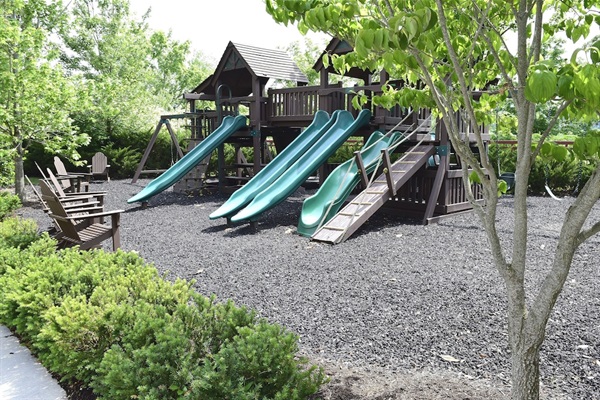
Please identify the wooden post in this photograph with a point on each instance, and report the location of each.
(173, 138)
(442, 133)
(147, 151)
(364, 177)
(256, 142)
(387, 168)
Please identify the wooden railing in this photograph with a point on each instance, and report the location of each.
(299, 104)
(293, 104)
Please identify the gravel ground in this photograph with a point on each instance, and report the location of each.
(399, 311)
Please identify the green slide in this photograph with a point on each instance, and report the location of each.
(291, 179)
(288, 156)
(191, 159)
(327, 201)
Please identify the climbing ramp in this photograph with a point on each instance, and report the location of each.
(382, 189)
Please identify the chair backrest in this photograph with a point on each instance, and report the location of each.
(60, 166)
(58, 189)
(37, 194)
(57, 209)
(44, 177)
(99, 163)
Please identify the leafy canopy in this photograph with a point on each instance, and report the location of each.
(406, 39)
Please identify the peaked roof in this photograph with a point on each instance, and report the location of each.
(241, 62)
(276, 64)
(339, 46)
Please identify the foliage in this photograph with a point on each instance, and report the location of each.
(447, 50)
(17, 232)
(346, 151)
(7, 168)
(123, 160)
(35, 97)
(112, 322)
(130, 74)
(8, 204)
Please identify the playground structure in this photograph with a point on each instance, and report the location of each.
(426, 182)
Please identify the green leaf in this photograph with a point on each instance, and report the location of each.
(546, 149)
(559, 153)
(502, 187)
(566, 87)
(474, 178)
(541, 86)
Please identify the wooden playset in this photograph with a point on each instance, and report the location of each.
(431, 187)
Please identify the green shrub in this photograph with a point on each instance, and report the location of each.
(164, 352)
(563, 176)
(123, 161)
(111, 321)
(259, 363)
(17, 232)
(8, 204)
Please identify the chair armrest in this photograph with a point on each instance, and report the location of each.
(94, 209)
(85, 194)
(97, 215)
(69, 207)
(80, 197)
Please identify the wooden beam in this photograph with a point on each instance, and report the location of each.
(174, 138)
(387, 168)
(364, 177)
(147, 151)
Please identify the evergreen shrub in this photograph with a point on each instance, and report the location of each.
(110, 321)
(8, 204)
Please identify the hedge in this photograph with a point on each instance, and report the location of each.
(111, 322)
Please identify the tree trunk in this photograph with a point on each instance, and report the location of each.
(20, 177)
(525, 372)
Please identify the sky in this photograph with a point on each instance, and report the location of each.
(210, 24)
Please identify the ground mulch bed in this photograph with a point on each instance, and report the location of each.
(399, 311)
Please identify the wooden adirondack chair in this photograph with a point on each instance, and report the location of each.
(99, 166)
(83, 196)
(76, 203)
(87, 233)
(73, 206)
(82, 179)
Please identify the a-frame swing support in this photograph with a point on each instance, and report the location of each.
(164, 120)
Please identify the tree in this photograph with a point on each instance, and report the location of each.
(131, 74)
(35, 96)
(455, 47)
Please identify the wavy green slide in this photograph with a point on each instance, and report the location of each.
(191, 159)
(287, 157)
(327, 201)
(294, 176)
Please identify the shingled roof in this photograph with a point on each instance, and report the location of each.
(262, 63)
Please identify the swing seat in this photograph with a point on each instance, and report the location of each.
(509, 178)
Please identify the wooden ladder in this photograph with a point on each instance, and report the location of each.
(383, 188)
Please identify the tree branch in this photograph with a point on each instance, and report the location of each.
(551, 125)
(571, 237)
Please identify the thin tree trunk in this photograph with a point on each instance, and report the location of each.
(525, 372)
(20, 175)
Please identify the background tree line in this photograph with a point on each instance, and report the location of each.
(83, 77)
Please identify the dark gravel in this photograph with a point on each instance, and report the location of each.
(397, 296)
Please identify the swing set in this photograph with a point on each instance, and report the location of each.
(510, 177)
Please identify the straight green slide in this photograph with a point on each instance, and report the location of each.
(191, 159)
(327, 201)
(288, 156)
(291, 179)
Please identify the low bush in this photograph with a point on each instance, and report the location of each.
(111, 321)
(563, 177)
(8, 204)
(17, 232)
